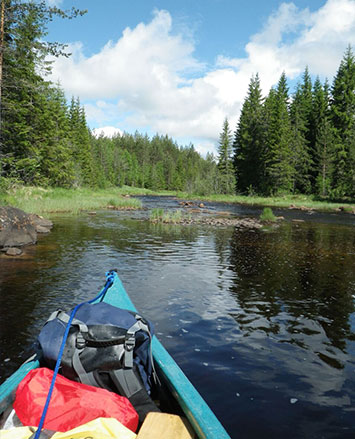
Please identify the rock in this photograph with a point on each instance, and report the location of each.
(41, 229)
(13, 251)
(16, 227)
(187, 203)
(91, 213)
(40, 221)
(201, 205)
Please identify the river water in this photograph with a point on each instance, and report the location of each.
(262, 322)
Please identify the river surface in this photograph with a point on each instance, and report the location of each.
(262, 322)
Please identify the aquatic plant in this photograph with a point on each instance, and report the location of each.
(267, 215)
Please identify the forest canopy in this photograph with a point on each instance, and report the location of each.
(302, 142)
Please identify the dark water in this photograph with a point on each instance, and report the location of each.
(263, 322)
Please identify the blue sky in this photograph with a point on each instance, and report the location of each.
(180, 67)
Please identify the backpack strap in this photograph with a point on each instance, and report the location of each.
(126, 381)
(64, 317)
(131, 339)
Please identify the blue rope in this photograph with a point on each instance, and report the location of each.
(110, 279)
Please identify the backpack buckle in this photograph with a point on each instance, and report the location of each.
(80, 342)
(130, 342)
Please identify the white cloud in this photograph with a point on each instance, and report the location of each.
(107, 132)
(54, 2)
(148, 71)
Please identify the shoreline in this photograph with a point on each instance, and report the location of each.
(58, 200)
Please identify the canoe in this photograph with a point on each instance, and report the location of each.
(201, 418)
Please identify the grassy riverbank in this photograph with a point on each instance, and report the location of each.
(287, 201)
(58, 200)
(44, 201)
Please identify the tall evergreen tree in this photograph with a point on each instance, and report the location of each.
(23, 105)
(302, 149)
(249, 141)
(343, 119)
(225, 164)
(80, 143)
(279, 166)
(323, 139)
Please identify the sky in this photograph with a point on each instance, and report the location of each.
(180, 67)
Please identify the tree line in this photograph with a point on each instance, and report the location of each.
(44, 141)
(303, 143)
(299, 143)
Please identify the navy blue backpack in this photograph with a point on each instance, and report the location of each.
(106, 347)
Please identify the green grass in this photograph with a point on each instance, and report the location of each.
(159, 215)
(298, 201)
(58, 200)
(267, 215)
(51, 200)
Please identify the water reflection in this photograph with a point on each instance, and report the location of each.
(294, 287)
(262, 322)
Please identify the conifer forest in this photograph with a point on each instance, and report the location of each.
(289, 141)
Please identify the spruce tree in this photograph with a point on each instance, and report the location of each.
(323, 139)
(302, 149)
(249, 142)
(23, 105)
(80, 144)
(343, 119)
(225, 164)
(279, 163)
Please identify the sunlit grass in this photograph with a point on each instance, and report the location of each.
(161, 216)
(267, 215)
(58, 200)
(297, 201)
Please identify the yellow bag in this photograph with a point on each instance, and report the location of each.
(16, 433)
(101, 428)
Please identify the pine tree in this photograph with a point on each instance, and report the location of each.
(225, 164)
(249, 141)
(343, 119)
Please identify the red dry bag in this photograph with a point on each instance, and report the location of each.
(72, 403)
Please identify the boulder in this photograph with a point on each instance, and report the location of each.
(16, 227)
(13, 251)
(39, 221)
(41, 229)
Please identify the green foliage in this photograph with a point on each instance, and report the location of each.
(343, 119)
(248, 143)
(157, 214)
(307, 146)
(279, 167)
(161, 216)
(267, 215)
(156, 164)
(225, 164)
(58, 200)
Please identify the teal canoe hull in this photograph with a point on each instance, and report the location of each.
(201, 417)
